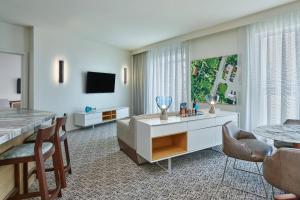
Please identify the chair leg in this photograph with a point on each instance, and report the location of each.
(66, 145)
(17, 178)
(223, 177)
(25, 177)
(57, 174)
(41, 173)
(234, 167)
(224, 170)
(262, 181)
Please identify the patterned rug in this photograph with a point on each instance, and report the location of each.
(102, 171)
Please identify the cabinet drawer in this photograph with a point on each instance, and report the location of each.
(92, 121)
(199, 124)
(168, 129)
(203, 138)
(222, 120)
(93, 116)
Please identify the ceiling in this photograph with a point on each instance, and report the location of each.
(129, 24)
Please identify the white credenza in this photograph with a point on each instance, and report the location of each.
(99, 116)
(163, 139)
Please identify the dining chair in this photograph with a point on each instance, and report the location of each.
(44, 148)
(243, 145)
(281, 170)
(280, 144)
(62, 132)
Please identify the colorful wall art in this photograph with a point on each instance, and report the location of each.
(219, 75)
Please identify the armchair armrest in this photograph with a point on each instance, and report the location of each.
(246, 135)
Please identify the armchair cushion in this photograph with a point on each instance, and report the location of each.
(258, 150)
(243, 145)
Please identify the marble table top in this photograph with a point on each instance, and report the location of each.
(14, 122)
(285, 133)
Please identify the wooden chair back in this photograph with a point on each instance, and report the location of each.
(45, 134)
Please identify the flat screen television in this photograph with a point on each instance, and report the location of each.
(100, 82)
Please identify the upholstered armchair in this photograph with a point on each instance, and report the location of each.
(282, 170)
(242, 145)
(281, 144)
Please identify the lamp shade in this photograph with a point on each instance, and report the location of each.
(212, 100)
(163, 103)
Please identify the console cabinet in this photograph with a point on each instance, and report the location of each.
(163, 139)
(99, 116)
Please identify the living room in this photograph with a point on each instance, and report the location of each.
(199, 100)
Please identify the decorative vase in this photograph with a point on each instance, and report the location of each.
(163, 103)
(212, 100)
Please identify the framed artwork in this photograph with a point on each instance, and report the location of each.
(219, 75)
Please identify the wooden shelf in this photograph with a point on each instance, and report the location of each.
(109, 115)
(168, 146)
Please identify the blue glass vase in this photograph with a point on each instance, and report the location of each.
(163, 103)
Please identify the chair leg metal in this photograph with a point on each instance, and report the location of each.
(234, 167)
(224, 170)
(223, 177)
(262, 181)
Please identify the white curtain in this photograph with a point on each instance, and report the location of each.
(271, 71)
(167, 75)
(139, 84)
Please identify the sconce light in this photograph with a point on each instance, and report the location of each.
(125, 75)
(61, 71)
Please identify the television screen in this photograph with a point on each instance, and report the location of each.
(100, 82)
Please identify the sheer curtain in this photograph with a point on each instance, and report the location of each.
(271, 73)
(167, 75)
(139, 84)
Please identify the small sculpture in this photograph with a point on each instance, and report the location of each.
(196, 106)
(184, 110)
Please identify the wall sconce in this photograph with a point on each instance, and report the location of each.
(125, 75)
(61, 71)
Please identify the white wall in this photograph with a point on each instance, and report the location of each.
(219, 44)
(10, 71)
(15, 39)
(80, 56)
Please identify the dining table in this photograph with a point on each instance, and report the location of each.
(284, 133)
(15, 126)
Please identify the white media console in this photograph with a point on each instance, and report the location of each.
(164, 139)
(99, 116)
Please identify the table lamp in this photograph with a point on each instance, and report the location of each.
(212, 100)
(163, 103)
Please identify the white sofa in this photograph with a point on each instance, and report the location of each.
(127, 131)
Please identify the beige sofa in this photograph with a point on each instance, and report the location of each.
(127, 132)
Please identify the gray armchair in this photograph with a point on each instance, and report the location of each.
(282, 170)
(242, 145)
(281, 144)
